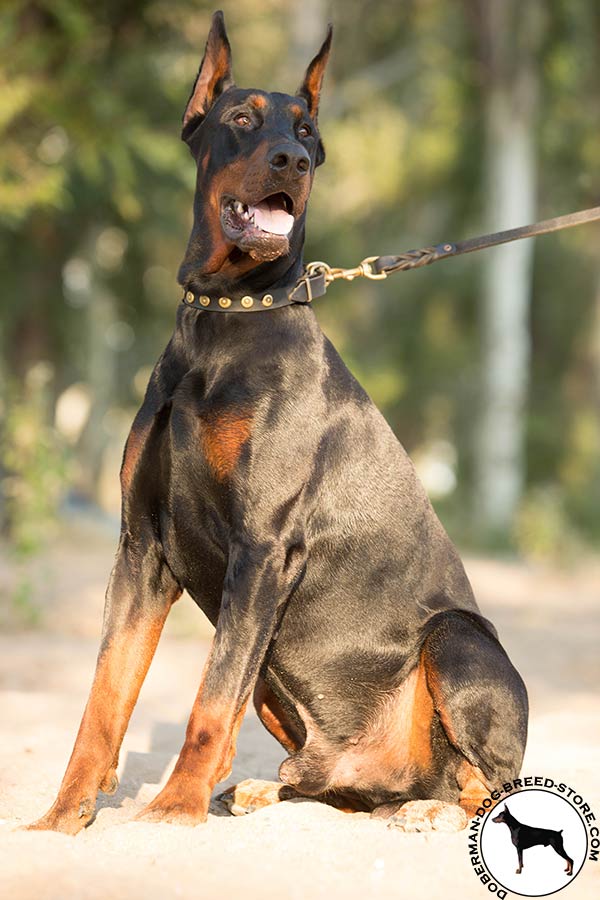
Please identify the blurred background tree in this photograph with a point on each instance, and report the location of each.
(440, 121)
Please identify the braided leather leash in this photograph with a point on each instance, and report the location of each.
(319, 275)
(377, 267)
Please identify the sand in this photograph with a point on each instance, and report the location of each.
(548, 621)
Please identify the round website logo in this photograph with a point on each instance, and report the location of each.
(532, 841)
(540, 847)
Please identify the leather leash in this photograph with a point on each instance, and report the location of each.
(319, 275)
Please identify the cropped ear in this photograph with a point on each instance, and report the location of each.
(310, 89)
(214, 75)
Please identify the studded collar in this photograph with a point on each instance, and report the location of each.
(310, 286)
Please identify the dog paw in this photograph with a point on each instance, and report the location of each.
(110, 782)
(177, 806)
(66, 820)
(428, 815)
(171, 815)
(252, 794)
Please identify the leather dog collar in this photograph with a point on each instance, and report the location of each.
(307, 288)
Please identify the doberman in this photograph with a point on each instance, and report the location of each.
(260, 477)
(525, 836)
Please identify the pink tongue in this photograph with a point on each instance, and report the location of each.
(270, 216)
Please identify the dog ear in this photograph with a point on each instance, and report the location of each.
(214, 75)
(310, 89)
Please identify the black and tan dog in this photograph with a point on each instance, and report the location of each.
(260, 477)
(525, 836)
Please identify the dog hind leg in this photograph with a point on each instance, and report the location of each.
(481, 702)
(558, 846)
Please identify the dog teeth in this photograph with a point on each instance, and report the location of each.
(242, 211)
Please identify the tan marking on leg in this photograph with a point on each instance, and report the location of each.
(403, 730)
(471, 780)
(436, 693)
(210, 741)
(271, 714)
(223, 437)
(419, 744)
(396, 748)
(211, 730)
(205, 759)
(133, 451)
(230, 754)
(474, 787)
(120, 671)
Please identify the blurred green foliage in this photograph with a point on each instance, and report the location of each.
(35, 469)
(32, 454)
(95, 210)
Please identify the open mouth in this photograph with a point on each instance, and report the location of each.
(273, 215)
(260, 229)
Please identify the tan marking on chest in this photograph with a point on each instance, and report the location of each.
(223, 436)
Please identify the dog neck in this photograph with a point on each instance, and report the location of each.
(233, 281)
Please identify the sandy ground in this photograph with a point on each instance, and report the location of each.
(548, 621)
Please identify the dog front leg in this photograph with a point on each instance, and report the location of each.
(139, 596)
(520, 855)
(254, 592)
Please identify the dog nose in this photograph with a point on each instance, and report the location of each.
(289, 159)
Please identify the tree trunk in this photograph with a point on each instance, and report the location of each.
(509, 32)
(595, 351)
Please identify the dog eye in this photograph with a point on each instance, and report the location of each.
(304, 131)
(243, 120)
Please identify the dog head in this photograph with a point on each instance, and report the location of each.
(256, 154)
(502, 815)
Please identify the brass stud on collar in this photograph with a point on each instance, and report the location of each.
(224, 302)
(247, 302)
(267, 300)
(189, 297)
(204, 300)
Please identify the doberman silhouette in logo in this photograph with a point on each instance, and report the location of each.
(525, 836)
